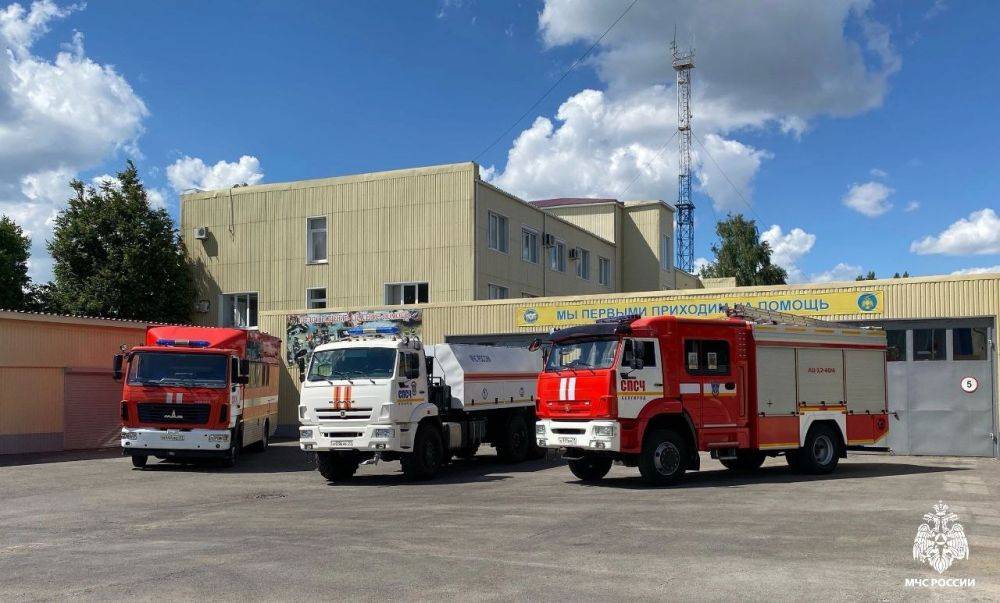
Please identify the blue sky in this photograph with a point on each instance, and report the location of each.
(797, 103)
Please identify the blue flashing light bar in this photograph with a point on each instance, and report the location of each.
(373, 331)
(193, 343)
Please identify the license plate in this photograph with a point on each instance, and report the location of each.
(341, 443)
(567, 440)
(173, 437)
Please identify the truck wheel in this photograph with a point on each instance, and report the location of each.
(336, 467)
(664, 457)
(745, 461)
(139, 460)
(515, 443)
(590, 468)
(821, 453)
(427, 456)
(792, 458)
(235, 448)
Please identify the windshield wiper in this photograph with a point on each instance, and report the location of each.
(362, 375)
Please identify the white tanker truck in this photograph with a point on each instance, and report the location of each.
(379, 396)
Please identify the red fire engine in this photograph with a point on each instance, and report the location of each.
(196, 392)
(653, 392)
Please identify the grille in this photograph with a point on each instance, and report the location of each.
(356, 413)
(180, 414)
(568, 431)
(342, 434)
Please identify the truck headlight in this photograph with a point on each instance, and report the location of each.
(218, 437)
(607, 431)
(383, 432)
(539, 429)
(130, 435)
(305, 434)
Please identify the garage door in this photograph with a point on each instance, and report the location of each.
(941, 386)
(92, 410)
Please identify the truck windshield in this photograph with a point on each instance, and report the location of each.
(176, 368)
(589, 354)
(348, 363)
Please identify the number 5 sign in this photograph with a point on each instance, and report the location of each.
(969, 384)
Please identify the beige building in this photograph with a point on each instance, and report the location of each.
(426, 235)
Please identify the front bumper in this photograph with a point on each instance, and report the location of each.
(323, 438)
(578, 434)
(174, 442)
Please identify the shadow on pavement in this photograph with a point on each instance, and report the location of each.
(483, 468)
(282, 456)
(38, 458)
(723, 478)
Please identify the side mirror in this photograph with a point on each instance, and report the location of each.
(244, 367)
(116, 367)
(301, 363)
(535, 344)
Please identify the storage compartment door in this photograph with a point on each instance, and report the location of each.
(865, 371)
(775, 380)
(821, 376)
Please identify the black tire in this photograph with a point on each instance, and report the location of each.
(664, 457)
(235, 448)
(427, 456)
(515, 441)
(590, 468)
(265, 439)
(139, 460)
(746, 461)
(792, 458)
(337, 466)
(822, 451)
(466, 453)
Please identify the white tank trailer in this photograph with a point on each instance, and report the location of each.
(382, 396)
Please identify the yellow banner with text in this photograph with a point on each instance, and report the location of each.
(802, 304)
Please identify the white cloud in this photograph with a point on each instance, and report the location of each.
(192, 173)
(753, 71)
(979, 234)
(981, 270)
(157, 198)
(912, 206)
(880, 174)
(700, 263)
(788, 248)
(841, 272)
(57, 117)
(870, 198)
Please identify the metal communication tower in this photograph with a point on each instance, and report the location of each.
(683, 63)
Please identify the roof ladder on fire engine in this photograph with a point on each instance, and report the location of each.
(770, 317)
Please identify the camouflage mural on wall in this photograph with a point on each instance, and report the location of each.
(306, 331)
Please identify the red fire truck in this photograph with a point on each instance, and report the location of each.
(198, 392)
(653, 392)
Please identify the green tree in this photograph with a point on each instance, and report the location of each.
(117, 257)
(866, 277)
(14, 281)
(740, 253)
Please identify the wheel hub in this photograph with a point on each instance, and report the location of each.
(666, 458)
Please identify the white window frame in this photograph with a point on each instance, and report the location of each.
(666, 252)
(224, 320)
(491, 287)
(583, 263)
(503, 243)
(557, 245)
(325, 300)
(309, 234)
(402, 293)
(534, 248)
(600, 274)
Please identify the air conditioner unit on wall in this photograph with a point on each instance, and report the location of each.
(201, 233)
(574, 253)
(548, 240)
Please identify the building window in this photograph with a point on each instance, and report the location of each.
(557, 256)
(497, 237)
(706, 357)
(665, 251)
(239, 310)
(604, 271)
(316, 298)
(583, 264)
(895, 346)
(529, 245)
(928, 344)
(969, 343)
(397, 294)
(316, 240)
(497, 292)
(526, 294)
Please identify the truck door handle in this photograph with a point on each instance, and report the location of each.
(730, 385)
(657, 385)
